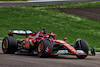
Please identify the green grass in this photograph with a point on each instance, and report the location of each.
(64, 25)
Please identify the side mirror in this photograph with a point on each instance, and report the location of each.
(65, 39)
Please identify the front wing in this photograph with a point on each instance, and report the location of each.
(66, 52)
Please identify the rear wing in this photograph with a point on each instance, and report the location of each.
(20, 32)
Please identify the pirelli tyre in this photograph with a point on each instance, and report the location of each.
(83, 46)
(9, 45)
(44, 48)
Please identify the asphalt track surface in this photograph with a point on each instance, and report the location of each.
(2, 4)
(23, 60)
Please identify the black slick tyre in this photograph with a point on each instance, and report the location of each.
(9, 45)
(84, 47)
(42, 48)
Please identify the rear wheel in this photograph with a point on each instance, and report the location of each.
(83, 45)
(9, 45)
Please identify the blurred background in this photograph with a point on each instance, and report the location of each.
(35, 0)
(48, 0)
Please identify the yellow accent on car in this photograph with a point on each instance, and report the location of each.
(65, 44)
(32, 43)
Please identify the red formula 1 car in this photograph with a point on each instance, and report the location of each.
(43, 44)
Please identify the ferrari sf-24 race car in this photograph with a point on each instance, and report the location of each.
(43, 44)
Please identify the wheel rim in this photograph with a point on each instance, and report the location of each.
(5, 44)
(40, 48)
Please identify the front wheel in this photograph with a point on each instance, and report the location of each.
(9, 45)
(44, 48)
(83, 45)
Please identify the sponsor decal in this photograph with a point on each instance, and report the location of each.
(27, 44)
(62, 51)
(60, 41)
(66, 44)
(31, 42)
(80, 51)
(47, 49)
